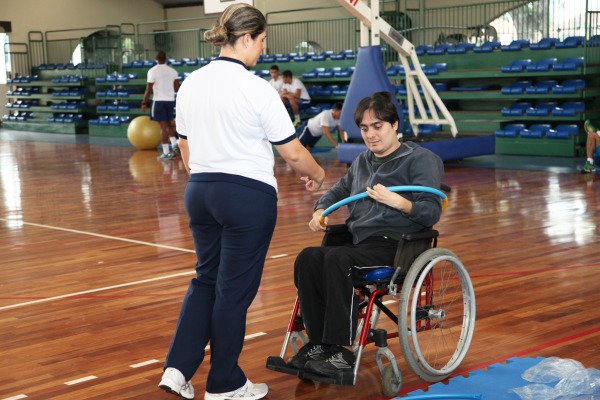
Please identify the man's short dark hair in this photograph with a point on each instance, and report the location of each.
(337, 106)
(161, 57)
(275, 67)
(380, 104)
(287, 73)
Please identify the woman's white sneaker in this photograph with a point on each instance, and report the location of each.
(174, 382)
(248, 391)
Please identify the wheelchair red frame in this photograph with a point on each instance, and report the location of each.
(433, 284)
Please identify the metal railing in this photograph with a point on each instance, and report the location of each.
(592, 47)
(503, 20)
(20, 59)
(178, 38)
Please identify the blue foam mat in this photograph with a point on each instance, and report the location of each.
(496, 382)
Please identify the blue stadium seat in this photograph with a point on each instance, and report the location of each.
(517, 87)
(569, 64)
(487, 47)
(570, 42)
(541, 109)
(344, 73)
(428, 129)
(325, 73)
(516, 45)
(422, 49)
(349, 54)
(515, 109)
(563, 131)
(544, 44)
(471, 88)
(440, 49)
(439, 66)
(461, 48)
(516, 65)
(282, 58)
(313, 110)
(536, 131)
(542, 87)
(569, 86)
(394, 70)
(340, 91)
(569, 109)
(402, 72)
(542, 65)
(510, 130)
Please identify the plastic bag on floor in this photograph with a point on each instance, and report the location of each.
(557, 378)
(552, 369)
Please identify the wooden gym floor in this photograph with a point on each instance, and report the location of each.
(95, 257)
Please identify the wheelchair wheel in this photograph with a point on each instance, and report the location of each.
(390, 383)
(436, 314)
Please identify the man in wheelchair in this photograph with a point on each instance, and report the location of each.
(325, 276)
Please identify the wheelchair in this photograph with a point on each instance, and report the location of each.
(435, 319)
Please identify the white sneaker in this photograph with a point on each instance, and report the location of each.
(174, 382)
(248, 391)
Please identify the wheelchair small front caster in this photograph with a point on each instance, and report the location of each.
(390, 382)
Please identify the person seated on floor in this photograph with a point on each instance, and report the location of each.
(324, 275)
(321, 125)
(295, 94)
(276, 80)
(591, 144)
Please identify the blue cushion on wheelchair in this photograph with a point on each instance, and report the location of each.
(378, 274)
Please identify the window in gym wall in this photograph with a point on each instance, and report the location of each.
(5, 63)
(76, 57)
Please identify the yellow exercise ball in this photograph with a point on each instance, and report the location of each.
(143, 133)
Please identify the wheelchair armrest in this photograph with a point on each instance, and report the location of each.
(336, 235)
(428, 234)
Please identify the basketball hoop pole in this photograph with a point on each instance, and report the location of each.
(370, 19)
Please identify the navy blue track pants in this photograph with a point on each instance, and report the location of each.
(232, 221)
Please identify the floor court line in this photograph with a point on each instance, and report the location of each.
(85, 292)
(64, 296)
(162, 246)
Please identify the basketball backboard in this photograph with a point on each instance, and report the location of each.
(217, 6)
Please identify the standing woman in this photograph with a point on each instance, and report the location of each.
(227, 121)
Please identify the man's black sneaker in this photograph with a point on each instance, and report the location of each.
(340, 359)
(307, 353)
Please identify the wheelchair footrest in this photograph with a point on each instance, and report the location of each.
(340, 378)
(276, 363)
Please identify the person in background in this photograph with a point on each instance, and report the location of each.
(228, 121)
(295, 94)
(592, 142)
(324, 275)
(276, 80)
(162, 83)
(321, 124)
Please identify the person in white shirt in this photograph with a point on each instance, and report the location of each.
(320, 125)
(162, 83)
(295, 94)
(276, 80)
(228, 121)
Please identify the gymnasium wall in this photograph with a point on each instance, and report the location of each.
(47, 15)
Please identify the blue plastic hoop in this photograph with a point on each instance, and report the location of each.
(362, 195)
